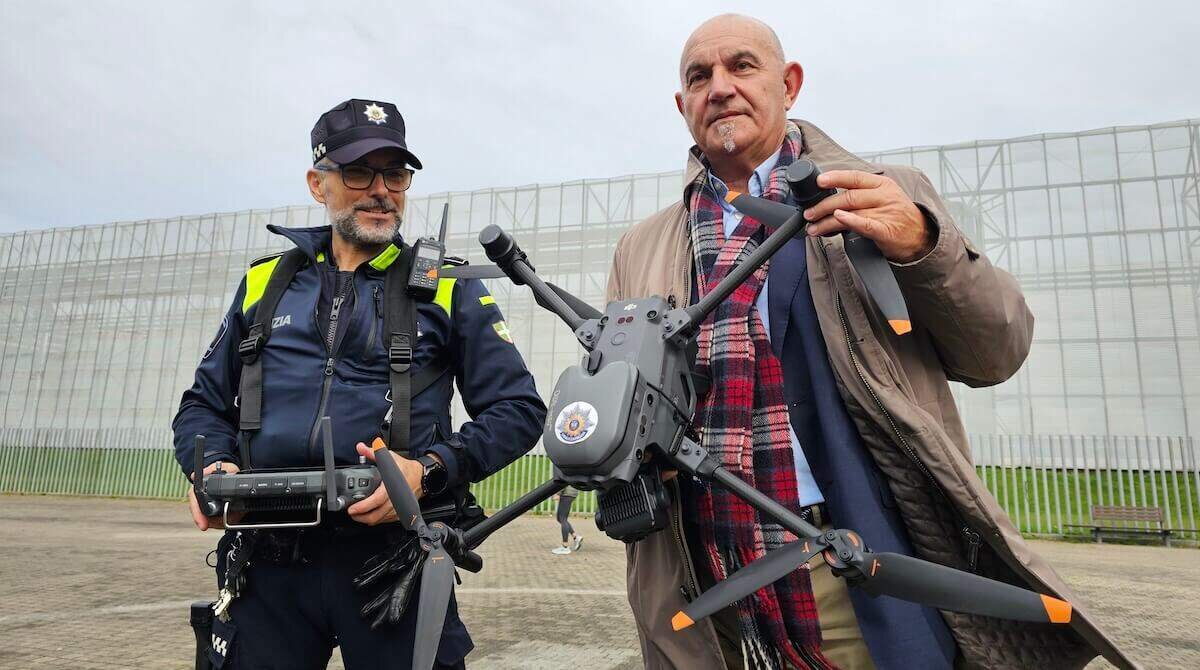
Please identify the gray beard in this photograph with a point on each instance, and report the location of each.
(727, 141)
(345, 223)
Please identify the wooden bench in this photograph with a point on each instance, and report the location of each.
(1105, 516)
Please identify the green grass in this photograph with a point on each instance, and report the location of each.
(1043, 501)
(1040, 501)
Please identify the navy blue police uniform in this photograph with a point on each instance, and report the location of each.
(327, 356)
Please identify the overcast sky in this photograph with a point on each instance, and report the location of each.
(122, 110)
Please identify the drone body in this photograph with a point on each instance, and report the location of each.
(625, 400)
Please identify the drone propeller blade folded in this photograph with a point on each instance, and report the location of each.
(768, 212)
(437, 582)
(890, 574)
(745, 581)
(876, 274)
(471, 272)
(408, 510)
(945, 588)
(868, 260)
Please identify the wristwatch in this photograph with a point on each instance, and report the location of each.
(435, 478)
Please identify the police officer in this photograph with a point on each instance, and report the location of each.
(327, 356)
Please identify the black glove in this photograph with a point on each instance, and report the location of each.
(394, 572)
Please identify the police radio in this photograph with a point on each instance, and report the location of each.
(428, 255)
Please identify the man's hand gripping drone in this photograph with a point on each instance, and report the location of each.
(623, 415)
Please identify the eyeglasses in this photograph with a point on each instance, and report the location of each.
(359, 177)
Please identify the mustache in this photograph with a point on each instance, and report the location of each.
(712, 118)
(372, 203)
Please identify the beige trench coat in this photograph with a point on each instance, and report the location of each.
(971, 325)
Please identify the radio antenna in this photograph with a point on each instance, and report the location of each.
(445, 219)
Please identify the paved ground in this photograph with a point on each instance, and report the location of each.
(93, 583)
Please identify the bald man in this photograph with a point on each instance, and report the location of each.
(837, 417)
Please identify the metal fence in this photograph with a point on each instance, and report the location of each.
(1046, 483)
(102, 325)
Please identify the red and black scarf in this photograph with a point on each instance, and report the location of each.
(743, 422)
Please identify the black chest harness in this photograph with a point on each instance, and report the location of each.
(400, 327)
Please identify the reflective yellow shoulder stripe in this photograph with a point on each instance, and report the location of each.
(445, 293)
(256, 282)
(486, 300)
(385, 258)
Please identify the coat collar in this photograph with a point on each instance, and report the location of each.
(785, 277)
(315, 241)
(817, 146)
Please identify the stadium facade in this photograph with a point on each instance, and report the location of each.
(103, 325)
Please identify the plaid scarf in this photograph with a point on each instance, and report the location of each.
(743, 422)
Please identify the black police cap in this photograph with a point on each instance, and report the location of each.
(357, 127)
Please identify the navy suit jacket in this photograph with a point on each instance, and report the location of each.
(899, 634)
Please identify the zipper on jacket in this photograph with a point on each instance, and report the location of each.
(689, 588)
(973, 539)
(378, 300)
(331, 331)
(330, 342)
(973, 542)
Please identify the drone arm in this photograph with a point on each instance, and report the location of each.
(502, 250)
(695, 315)
(581, 308)
(477, 534)
(692, 458)
(881, 573)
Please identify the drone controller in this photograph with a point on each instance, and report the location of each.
(283, 490)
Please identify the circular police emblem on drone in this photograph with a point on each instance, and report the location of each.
(375, 114)
(575, 423)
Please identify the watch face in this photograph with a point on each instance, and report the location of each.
(435, 478)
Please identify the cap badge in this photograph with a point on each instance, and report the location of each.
(375, 114)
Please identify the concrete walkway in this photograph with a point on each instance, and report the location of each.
(96, 583)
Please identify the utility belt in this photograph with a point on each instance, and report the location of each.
(293, 546)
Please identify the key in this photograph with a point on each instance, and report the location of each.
(221, 607)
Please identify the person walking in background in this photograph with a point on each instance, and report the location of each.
(570, 541)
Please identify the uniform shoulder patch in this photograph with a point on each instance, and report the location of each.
(501, 329)
(265, 257)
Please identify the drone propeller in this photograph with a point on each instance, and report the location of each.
(437, 578)
(890, 574)
(750, 578)
(866, 257)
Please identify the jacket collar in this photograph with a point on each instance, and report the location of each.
(817, 146)
(314, 242)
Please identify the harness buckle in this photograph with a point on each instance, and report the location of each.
(400, 354)
(252, 346)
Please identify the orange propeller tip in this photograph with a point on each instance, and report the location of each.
(900, 326)
(681, 621)
(1059, 611)
(730, 196)
(378, 444)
